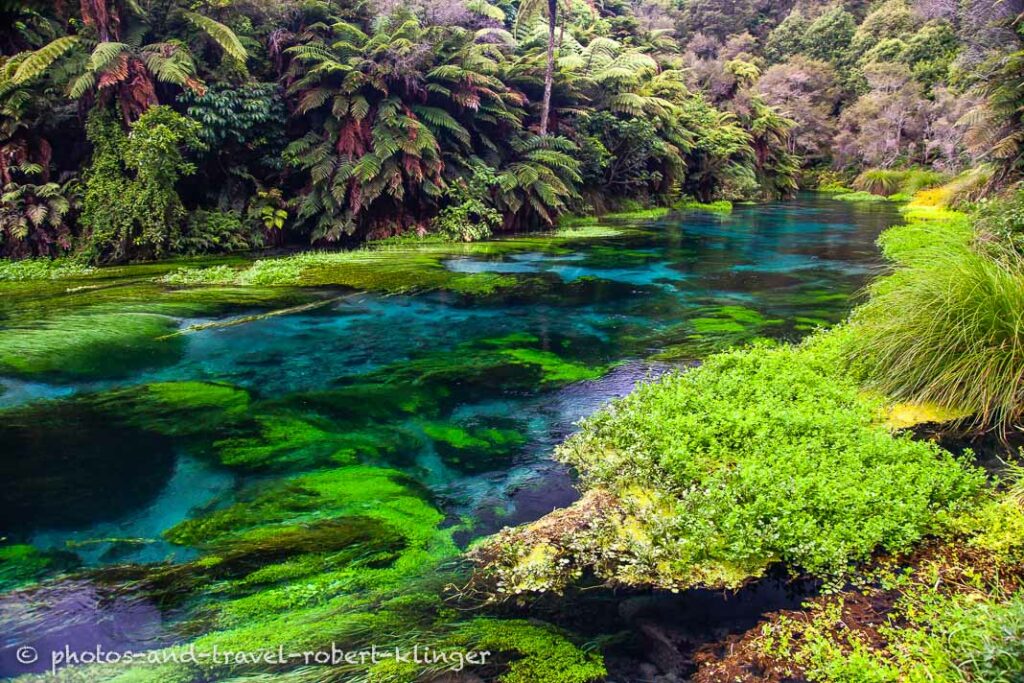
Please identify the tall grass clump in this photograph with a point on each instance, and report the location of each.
(947, 327)
(887, 181)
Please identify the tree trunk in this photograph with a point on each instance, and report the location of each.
(549, 72)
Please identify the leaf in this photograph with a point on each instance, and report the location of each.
(39, 61)
(221, 34)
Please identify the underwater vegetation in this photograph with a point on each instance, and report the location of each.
(401, 266)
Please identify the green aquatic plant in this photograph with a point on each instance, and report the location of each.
(946, 326)
(860, 196)
(101, 343)
(481, 447)
(387, 267)
(43, 269)
(721, 206)
(708, 477)
(176, 409)
(22, 564)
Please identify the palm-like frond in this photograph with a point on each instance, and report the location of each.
(220, 34)
(37, 62)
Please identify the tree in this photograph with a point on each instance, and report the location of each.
(119, 63)
(885, 126)
(804, 90)
(529, 9)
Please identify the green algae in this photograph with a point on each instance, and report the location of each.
(722, 206)
(388, 268)
(860, 196)
(487, 445)
(714, 329)
(553, 368)
(22, 565)
(183, 408)
(84, 345)
(638, 214)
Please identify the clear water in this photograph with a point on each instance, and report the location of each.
(687, 284)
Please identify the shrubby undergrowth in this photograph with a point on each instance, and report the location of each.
(760, 456)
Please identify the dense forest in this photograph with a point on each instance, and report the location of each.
(231, 125)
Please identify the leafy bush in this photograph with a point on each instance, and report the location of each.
(1003, 219)
(469, 215)
(42, 269)
(947, 326)
(210, 232)
(757, 457)
(137, 174)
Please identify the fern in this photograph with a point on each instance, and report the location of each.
(42, 59)
(220, 34)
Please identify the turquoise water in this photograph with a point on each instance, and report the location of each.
(95, 493)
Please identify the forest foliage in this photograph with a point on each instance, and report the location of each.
(234, 125)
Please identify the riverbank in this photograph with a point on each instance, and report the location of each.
(781, 457)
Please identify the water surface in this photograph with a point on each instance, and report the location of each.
(600, 316)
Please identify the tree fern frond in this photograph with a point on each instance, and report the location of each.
(220, 34)
(42, 59)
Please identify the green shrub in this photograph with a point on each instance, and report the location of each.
(1003, 219)
(758, 457)
(887, 181)
(136, 173)
(215, 231)
(947, 326)
(469, 215)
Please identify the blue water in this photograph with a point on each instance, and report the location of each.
(687, 284)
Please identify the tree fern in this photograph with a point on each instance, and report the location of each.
(220, 34)
(36, 63)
